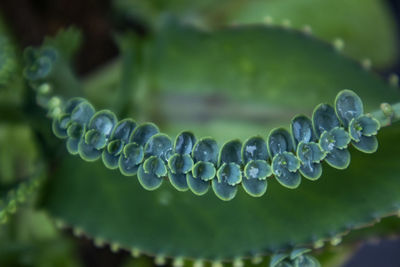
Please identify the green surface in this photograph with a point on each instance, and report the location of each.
(273, 71)
(106, 205)
(367, 27)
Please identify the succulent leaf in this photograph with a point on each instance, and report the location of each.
(123, 130)
(348, 106)
(130, 159)
(229, 173)
(224, 190)
(119, 137)
(255, 187)
(151, 179)
(179, 181)
(99, 129)
(206, 149)
(363, 126)
(87, 151)
(277, 258)
(197, 186)
(103, 122)
(159, 145)
(324, 119)
(60, 125)
(184, 142)
(111, 154)
(297, 258)
(143, 133)
(115, 147)
(306, 261)
(39, 62)
(298, 252)
(338, 158)
(279, 141)
(309, 152)
(335, 138)
(254, 148)
(367, 144)
(95, 139)
(230, 152)
(310, 170)
(82, 113)
(72, 145)
(180, 163)
(155, 165)
(204, 170)
(284, 167)
(255, 173)
(302, 130)
(257, 169)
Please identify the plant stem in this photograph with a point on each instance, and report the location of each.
(387, 114)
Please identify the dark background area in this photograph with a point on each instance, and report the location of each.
(32, 20)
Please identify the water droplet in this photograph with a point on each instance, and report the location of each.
(253, 172)
(251, 149)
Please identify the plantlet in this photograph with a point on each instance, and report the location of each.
(291, 185)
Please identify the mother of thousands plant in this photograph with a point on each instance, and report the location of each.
(297, 182)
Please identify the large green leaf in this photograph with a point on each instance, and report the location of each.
(348, 22)
(274, 71)
(107, 205)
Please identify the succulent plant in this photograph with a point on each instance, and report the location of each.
(301, 178)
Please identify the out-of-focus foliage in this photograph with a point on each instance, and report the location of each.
(11, 87)
(67, 42)
(19, 153)
(329, 20)
(31, 239)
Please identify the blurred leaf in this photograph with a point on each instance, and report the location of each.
(19, 153)
(66, 41)
(11, 82)
(11, 197)
(56, 58)
(347, 20)
(32, 240)
(8, 60)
